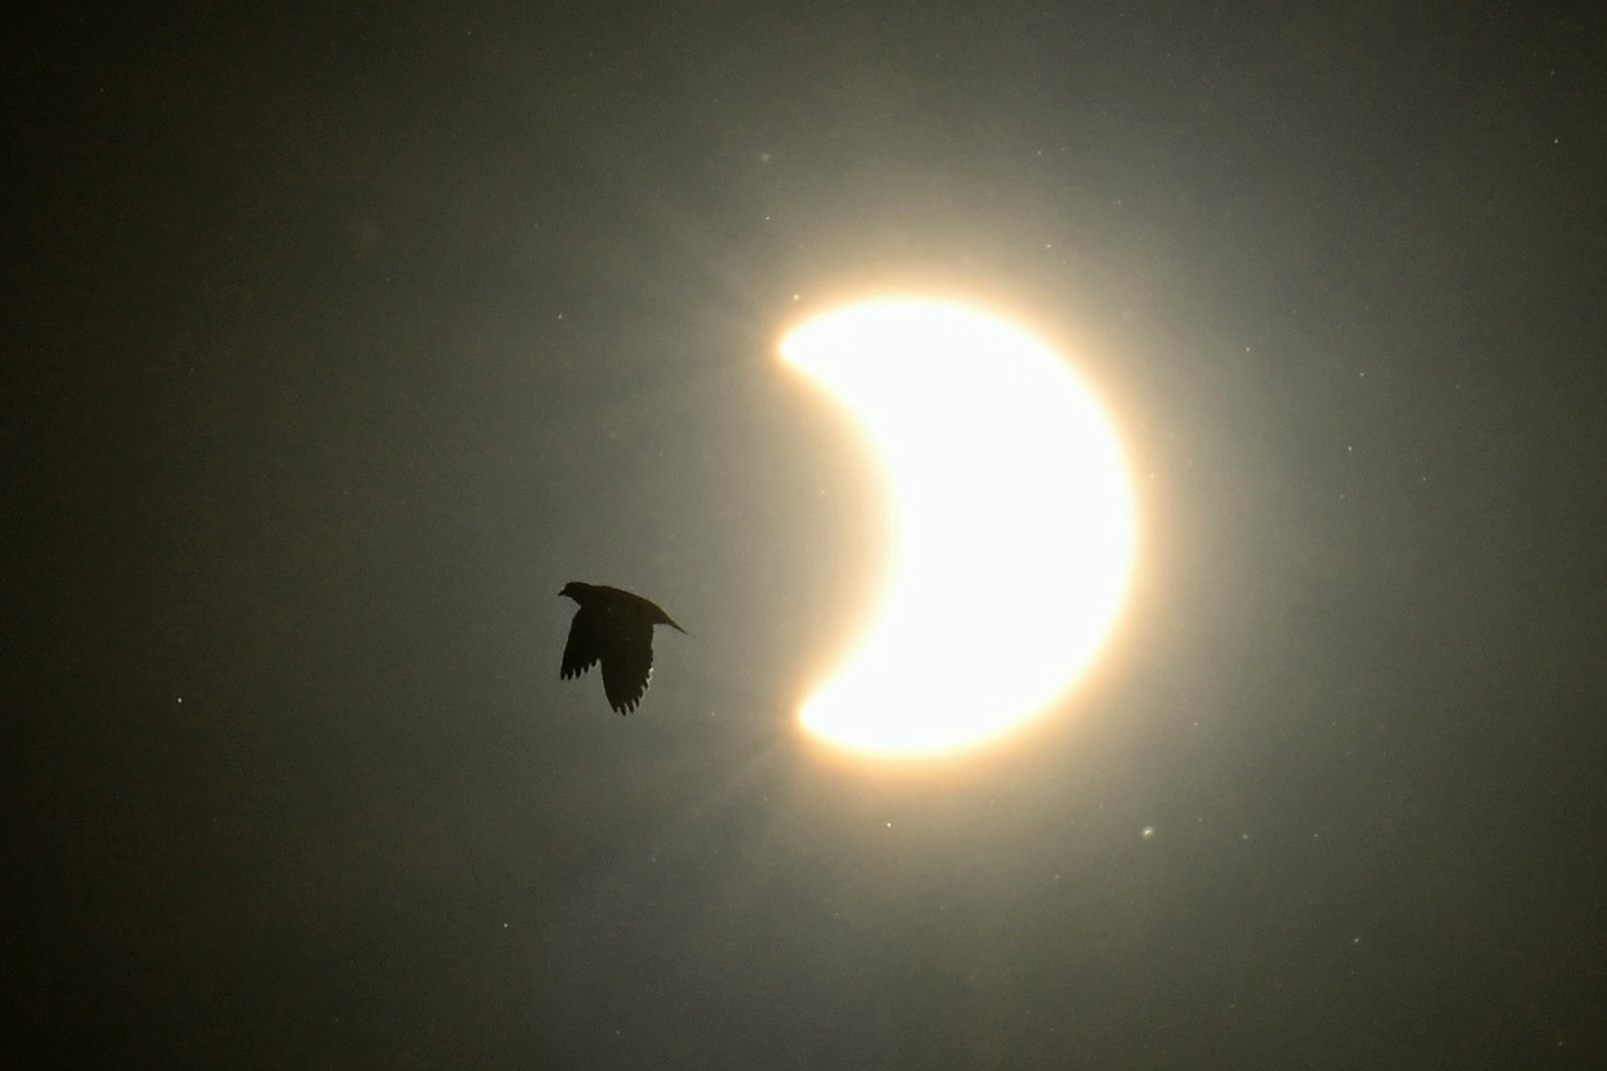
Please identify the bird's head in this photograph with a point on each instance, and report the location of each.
(575, 590)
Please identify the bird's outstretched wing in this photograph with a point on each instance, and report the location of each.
(627, 664)
(586, 642)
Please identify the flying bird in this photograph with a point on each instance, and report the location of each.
(615, 628)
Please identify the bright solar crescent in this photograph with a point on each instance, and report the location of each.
(1012, 518)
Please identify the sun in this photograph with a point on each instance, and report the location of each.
(1013, 524)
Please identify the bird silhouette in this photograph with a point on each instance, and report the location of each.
(615, 628)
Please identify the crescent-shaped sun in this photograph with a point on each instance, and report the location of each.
(1013, 517)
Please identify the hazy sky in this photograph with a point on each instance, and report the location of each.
(337, 340)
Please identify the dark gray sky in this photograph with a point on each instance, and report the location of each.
(337, 341)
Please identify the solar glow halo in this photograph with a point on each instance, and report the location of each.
(1013, 524)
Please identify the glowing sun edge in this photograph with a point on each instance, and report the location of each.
(1013, 518)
